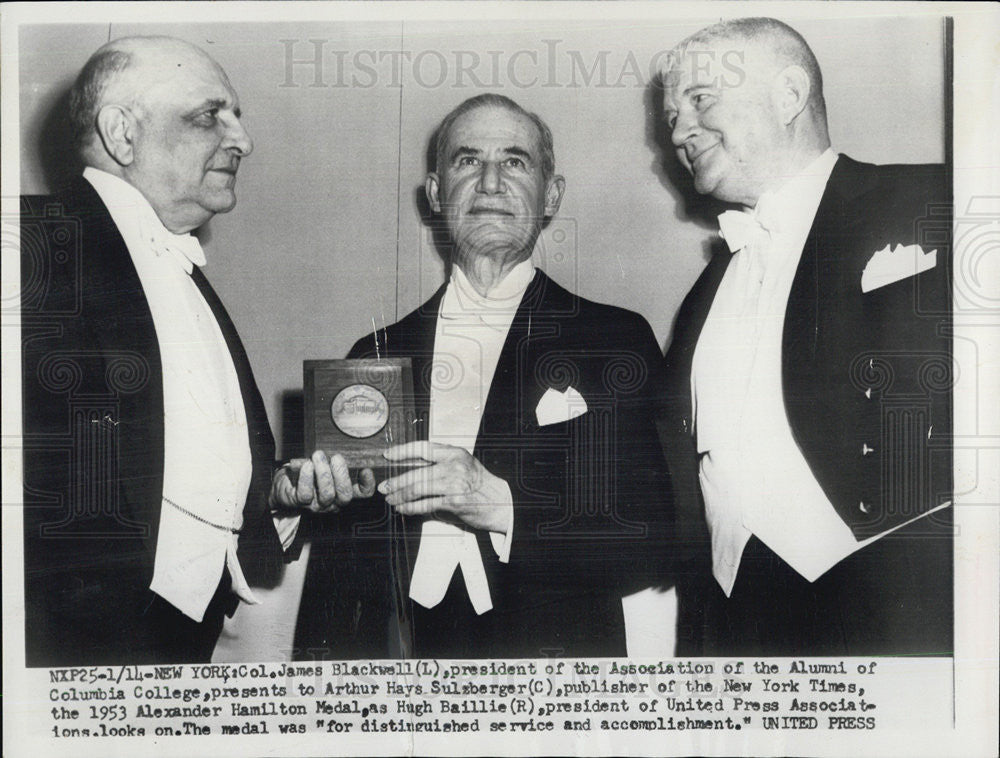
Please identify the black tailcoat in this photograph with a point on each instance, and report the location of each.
(867, 379)
(93, 447)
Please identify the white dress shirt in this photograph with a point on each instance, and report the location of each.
(470, 333)
(753, 475)
(207, 464)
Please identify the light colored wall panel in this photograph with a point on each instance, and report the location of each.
(50, 57)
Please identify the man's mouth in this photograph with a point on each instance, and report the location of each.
(231, 170)
(693, 159)
(489, 210)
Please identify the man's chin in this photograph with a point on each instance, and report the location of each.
(705, 183)
(491, 240)
(220, 202)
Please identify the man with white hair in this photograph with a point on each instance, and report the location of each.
(808, 403)
(148, 452)
(544, 499)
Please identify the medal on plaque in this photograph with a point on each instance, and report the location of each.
(358, 407)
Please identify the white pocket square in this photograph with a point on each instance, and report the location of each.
(887, 266)
(556, 407)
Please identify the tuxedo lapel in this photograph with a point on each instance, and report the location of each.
(824, 258)
(261, 440)
(413, 338)
(511, 391)
(680, 355)
(508, 414)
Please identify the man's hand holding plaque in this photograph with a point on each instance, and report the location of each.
(319, 484)
(454, 483)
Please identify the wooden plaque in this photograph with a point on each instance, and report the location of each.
(358, 407)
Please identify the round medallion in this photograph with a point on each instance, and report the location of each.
(359, 410)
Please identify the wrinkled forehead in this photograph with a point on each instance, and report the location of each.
(494, 125)
(175, 76)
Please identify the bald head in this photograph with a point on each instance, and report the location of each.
(161, 114)
(120, 72)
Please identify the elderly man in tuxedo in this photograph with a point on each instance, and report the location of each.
(807, 420)
(147, 451)
(543, 500)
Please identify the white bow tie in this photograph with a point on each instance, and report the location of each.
(185, 248)
(740, 228)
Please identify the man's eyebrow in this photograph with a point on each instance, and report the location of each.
(463, 150)
(518, 151)
(693, 87)
(212, 102)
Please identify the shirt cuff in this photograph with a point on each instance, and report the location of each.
(501, 540)
(287, 525)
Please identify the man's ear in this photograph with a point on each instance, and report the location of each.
(554, 194)
(116, 127)
(431, 187)
(792, 90)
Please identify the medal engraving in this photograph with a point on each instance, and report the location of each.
(359, 411)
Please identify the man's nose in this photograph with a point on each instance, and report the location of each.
(490, 181)
(237, 138)
(684, 126)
